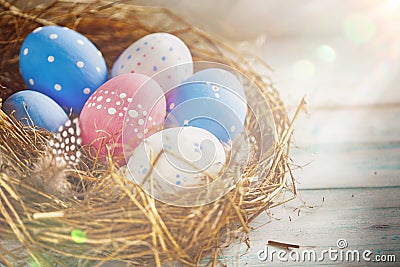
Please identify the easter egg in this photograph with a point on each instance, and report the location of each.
(161, 54)
(62, 64)
(179, 156)
(35, 109)
(209, 106)
(220, 77)
(132, 105)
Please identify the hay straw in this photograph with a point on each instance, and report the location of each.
(113, 218)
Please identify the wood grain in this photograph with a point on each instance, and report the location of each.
(348, 147)
(366, 218)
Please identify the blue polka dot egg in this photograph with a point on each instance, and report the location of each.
(35, 109)
(62, 64)
(207, 105)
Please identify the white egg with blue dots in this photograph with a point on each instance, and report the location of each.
(162, 56)
(180, 156)
(62, 64)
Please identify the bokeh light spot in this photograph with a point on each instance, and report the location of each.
(303, 70)
(78, 236)
(394, 4)
(32, 263)
(359, 28)
(326, 53)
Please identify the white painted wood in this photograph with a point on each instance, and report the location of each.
(361, 74)
(347, 147)
(348, 165)
(348, 125)
(366, 218)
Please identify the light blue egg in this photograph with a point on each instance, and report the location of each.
(207, 105)
(35, 109)
(62, 64)
(224, 78)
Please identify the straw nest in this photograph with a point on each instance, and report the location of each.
(112, 219)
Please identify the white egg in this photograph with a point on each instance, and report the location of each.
(182, 157)
(161, 54)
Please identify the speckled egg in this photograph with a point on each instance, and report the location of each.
(207, 105)
(62, 64)
(124, 110)
(185, 157)
(35, 109)
(161, 54)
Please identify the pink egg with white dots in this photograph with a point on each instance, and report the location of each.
(132, 105)
(162, 56)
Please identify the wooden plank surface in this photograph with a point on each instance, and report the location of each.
(367, 218)
(350, 137)
(348, 147)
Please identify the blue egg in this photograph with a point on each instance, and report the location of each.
(35, 109)
(207, 105)
(62, 64)
(224, 78)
